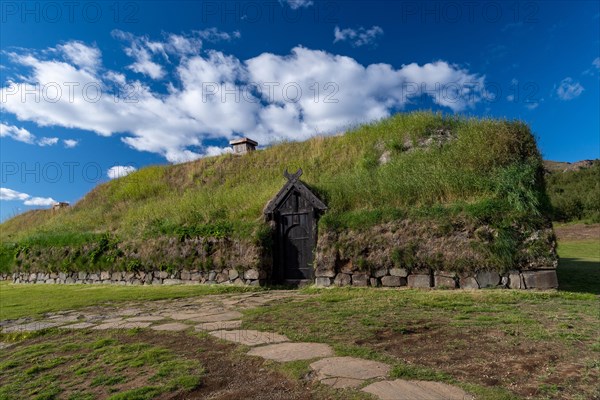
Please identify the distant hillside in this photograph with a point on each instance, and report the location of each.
(574, 190)
(452, 173)
(561, 166)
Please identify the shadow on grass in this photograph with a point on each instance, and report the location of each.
(577, 275)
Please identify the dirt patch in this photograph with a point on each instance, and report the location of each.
(491, 357)
(228, 376)
(578, 232)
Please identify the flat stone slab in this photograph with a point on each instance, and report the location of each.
(146, 318)
(192, 315)
(249, 337)
(285, 352)
(64, 318)
(129, 311)
(401, 389)
(226, 316)
(112, 320)
(349, 367)
(342, 383)
(81, 325)
(219, 325)
(132, 325)
(182, 316)
(31, 327)
(122, 325)
(172, 327)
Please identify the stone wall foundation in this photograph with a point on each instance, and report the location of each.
(538, 279)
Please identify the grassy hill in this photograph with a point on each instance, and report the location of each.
(574, 190)
(419, 167)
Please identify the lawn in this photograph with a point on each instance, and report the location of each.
(579, 266)
(86, 365)
(33, 300)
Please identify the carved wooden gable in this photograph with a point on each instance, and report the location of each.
(294, 197)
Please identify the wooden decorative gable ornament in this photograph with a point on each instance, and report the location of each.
(295, 210)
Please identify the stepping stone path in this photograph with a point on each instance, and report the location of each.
(31, 327)
(285, 352)
(146, 318)
(81, 325)
(217, 326)
(220, 317)
(64, 318)
(185, 316)
(341, 372)
(172, 327)
(416, 390)
(122, 325)
(249, 337)
(128, 312)
(226, 316)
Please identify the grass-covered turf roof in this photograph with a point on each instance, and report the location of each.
(482, 161)
(415, 165)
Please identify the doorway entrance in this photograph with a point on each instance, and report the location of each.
(295, 211)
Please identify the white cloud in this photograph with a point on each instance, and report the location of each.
(81, 55)
(357, 37)
(70, 143)
(510, 97)
(16, 133)
(141, 50)
(23, 135)
(532, 105)
(48, 141)
(215, 35)
(568, 89)
(12, 195)
(144, 50)
(216, 151)
(39, 201)
(119, 171)
(594, 69)
(296, 4)
(144, 64)
(177, 124)
(9, 194)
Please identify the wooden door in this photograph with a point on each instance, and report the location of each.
(296, 239)
(297, 249)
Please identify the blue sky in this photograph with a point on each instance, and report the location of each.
(93, 90)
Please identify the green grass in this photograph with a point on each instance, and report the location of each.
(100, 368)
(333, 312)
(575, 195)
(579, 268)
(31, 300)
